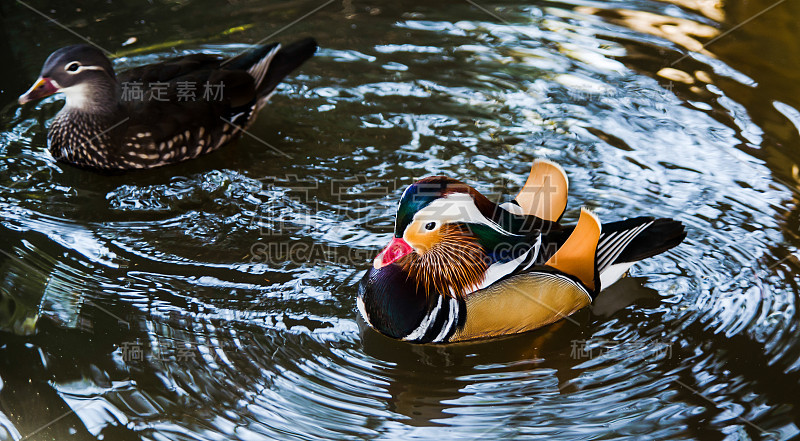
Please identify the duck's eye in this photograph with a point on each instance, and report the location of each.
(72, 67)
(430, 226)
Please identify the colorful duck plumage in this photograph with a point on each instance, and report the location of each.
(461, 267)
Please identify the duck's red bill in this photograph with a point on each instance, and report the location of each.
(41, 88)
(396, 249)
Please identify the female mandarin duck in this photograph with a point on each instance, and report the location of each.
(461, 267)
(160, 113)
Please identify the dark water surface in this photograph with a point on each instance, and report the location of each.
(215, 299)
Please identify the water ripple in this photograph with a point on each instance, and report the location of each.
(215, 299)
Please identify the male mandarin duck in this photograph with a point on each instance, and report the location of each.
(461, 267)
(160, 113)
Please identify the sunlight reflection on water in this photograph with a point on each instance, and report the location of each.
(216, 299)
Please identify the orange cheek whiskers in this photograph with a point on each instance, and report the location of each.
(421, 240)
(453, 265)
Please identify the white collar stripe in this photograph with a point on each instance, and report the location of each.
(451, 319)
(425, 323)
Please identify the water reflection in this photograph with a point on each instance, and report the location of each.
(217, 301)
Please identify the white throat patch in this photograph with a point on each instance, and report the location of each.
(77, 96)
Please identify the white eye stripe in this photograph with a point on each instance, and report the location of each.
(453, 208)
(90, 68)
(80, 68)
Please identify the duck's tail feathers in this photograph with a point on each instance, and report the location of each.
(271, 63)
(636, 239)
(280, 64)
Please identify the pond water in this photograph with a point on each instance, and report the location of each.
(215, 299)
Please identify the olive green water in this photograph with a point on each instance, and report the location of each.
(215, 299)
